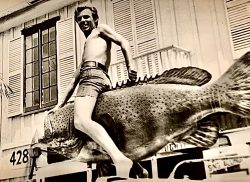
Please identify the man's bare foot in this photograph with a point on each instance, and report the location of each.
(123, 167)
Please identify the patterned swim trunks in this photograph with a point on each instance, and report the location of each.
(93, 81)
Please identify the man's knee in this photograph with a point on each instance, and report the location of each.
(80, 122)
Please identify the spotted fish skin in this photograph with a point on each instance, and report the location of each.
(144, 118)
(161, 113)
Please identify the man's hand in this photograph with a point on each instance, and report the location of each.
(132, 75)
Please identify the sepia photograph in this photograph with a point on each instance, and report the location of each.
(124, 90)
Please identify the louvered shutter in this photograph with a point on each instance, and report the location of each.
(145, 26)
(136, 21)
(15, 67)
(239, 20)
(123, 25)
(145, 33)
(66, 53)
(123, 19)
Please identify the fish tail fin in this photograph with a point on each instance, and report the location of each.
(236, 84)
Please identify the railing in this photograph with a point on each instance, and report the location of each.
(152, 63)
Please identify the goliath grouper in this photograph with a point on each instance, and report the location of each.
(143, 118)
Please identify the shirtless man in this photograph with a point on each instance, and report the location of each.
(93, 80)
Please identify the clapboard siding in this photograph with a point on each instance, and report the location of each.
(200, 27)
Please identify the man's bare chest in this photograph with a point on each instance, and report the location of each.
(97, 41)
(95, 37)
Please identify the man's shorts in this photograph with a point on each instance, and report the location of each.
(93, 81)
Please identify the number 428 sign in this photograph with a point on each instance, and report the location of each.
(19, 157)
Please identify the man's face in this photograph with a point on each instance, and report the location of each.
(85, 20)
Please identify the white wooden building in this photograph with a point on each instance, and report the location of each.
(41, 46)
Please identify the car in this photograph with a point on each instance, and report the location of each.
(230, 155)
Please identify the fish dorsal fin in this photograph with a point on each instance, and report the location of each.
(185, 75)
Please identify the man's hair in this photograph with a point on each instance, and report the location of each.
(92, 9)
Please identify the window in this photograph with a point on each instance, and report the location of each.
(224, 141)
(40, 65)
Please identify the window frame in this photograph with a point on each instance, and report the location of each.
(224, 141)
(39, 28)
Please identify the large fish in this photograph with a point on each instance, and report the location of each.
(144, 118)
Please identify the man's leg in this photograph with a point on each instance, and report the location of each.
(82, 119)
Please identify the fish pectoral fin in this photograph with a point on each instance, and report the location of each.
(205, 135)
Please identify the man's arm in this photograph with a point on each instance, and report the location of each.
(68, 92)
(110, 34)
(70, 88)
